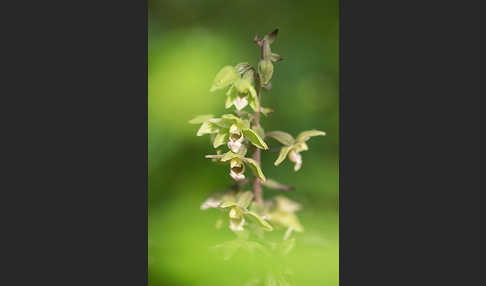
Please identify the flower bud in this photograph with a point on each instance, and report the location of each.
(265, 69)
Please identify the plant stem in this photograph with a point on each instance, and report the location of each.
(257, 184)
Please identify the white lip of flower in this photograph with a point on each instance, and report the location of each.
(236, 176)
(297, 159)
(240, 102)
(237, 170)
(235, 145)
(235, 226)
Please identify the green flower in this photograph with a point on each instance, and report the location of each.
(281, 212)
(241, 82)
(237, 165)
(237, 205)
(292, 147)
(230, 130)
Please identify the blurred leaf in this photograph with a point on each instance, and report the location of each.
(282, 137)
(255, 139)
(258, 219)
(283, 153)
(306, 135)
(287, 245)
(228, 204)
(228, 249)
(200, 119)
(244, 199)
(226, 76)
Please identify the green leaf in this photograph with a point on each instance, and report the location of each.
(207, 128)
(254, 103)
(259, 130)
(306, 135)
(230, 155)
(220, 139)
(258, 219)
(243, 124)
(226, 76)
(282, 137)
(221, 122)
(255, 139)
(230, 97)
(256, 168)
(200, 118)
(230, 116)
(244, 199)
(283, 153)
(228, 205)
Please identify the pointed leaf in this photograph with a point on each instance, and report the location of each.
(282, 137)
(255, 139)
(230, 97)
(230, 116)
(220, 139)
(255, 168)
(254, 103)
(207, 128)
(226, 76)
(200, 118)
(244, 199)
(228, 204)
(258, 219)
(230, 155)
(283, 154)
(306, 135)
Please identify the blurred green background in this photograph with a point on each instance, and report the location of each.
(189, 42)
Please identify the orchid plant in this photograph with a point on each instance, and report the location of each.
(248, 215)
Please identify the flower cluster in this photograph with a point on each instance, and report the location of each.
(233, 135)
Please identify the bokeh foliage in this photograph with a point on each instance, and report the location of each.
(189, 42)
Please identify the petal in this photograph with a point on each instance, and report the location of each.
(240, 102)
